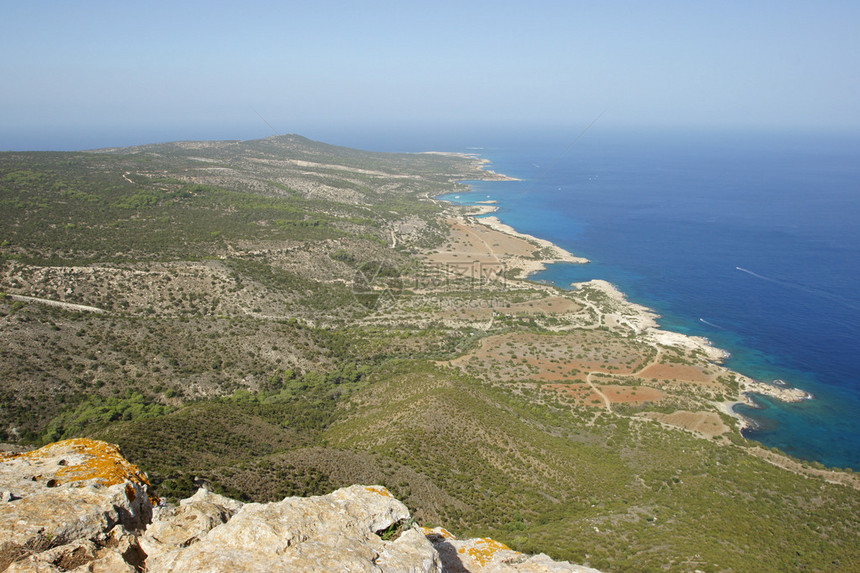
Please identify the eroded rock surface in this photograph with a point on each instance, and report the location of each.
(490, 556)
(70, 503)
(322, 533)
(78, 505)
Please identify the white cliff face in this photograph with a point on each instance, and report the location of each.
(80, 506)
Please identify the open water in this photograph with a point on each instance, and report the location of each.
(751, 240)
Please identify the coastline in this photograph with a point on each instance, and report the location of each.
(494, 242)
(558, 254)
(639, 318)
(728, 408)
(478, 162)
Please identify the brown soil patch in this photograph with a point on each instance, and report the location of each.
(478, 243)
(553, 358)
(549, 305)
(496, 241)
(622, 394)
(682, 372)
(483, 310)
(478, 314)
(581, 394)
(708, 424)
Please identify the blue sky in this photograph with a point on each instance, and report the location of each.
(123, 71)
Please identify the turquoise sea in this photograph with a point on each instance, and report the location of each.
(752, 240)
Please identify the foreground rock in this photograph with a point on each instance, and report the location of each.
(70, 503)
(342, 531)
(490, 556)
(79, 505)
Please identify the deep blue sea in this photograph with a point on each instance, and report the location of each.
(751, 240)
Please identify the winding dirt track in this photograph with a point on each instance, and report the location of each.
(599, 393)
(57, 303)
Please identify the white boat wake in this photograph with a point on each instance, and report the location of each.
(803, 288)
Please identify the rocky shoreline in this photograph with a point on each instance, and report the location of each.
(781, 392)
(639, 318)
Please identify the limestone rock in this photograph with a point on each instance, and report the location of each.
(323, 533)
(78, 505)
(483, 555)
(109, 562)
(176, 527)
(65, 495)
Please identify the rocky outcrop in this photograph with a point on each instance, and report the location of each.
(79, 505)
(340, 531)
(778, 389)
(490, 556)
(71, 503)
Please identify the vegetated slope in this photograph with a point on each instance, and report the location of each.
(213, 271)
(197, 199)
(620, 494)
(617, 493)
(236, 350)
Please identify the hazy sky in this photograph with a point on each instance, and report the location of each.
(207, 69)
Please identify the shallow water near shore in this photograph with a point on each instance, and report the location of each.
(749, 240)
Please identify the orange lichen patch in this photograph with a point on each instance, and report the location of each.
(484, 549)
(4, 456)
(100, 461)
(378, 489)
(620, 394)
(446, 534)
(437, 532)
(683, 372)
(106, 464)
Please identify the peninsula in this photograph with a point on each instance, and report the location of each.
(277, 318)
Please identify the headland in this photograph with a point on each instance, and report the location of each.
(527, 254)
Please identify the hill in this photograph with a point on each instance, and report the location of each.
(282, 317)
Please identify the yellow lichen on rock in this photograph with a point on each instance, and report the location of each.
(484, 549)
(378, 489)
(106, 464)
(440, 532)
(89, 460)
